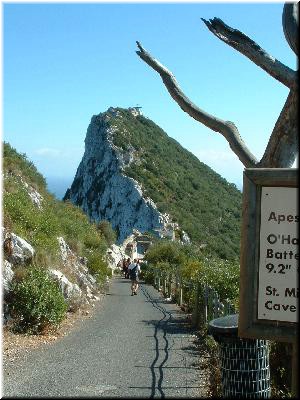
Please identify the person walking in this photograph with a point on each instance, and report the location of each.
(134, 270)
(127, 265)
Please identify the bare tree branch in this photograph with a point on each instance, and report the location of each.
(282, 148)
(242, 43)
(226, 128)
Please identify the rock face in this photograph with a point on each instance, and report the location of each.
(102, 189)
(18, 253)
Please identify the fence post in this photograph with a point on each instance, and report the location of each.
(180, 292)
(201, 306)
(195, 315)
(176, 288)
(170, 285)
(205, 304)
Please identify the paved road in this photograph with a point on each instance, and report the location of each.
(132, 346)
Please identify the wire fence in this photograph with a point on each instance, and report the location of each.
(201, 300)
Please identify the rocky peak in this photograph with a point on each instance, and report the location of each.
(102, 188)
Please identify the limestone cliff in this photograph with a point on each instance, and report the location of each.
(103, 190)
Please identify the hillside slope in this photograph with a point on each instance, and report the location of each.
(134, 175)
(54, 236)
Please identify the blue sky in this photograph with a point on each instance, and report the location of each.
(65, 62)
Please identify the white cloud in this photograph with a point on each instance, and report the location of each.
(48, 152)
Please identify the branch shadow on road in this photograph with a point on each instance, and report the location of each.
(172, 323)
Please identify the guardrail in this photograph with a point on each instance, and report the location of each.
(201, 300)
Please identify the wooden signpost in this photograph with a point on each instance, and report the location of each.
(270, 257)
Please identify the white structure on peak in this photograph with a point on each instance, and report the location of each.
(135, 111)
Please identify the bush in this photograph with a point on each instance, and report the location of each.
(107, 231)
(38, 302)
(221, 275)
(147, 273)
(165, 251)
(97, 266)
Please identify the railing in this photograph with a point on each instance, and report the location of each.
(201, 300)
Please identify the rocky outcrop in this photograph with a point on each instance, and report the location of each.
(85, 288)
(7, 276)
(17, 250)
(71, 291)
(79, 288)
(115, 254)
(102, 189)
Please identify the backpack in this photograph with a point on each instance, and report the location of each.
(133, 273)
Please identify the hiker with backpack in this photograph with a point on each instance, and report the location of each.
(134, 270)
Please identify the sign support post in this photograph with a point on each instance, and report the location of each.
(295, 369)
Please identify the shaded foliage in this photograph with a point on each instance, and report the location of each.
(105, 228)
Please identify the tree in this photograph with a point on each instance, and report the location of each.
(282, 147)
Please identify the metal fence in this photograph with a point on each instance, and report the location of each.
(201, 300)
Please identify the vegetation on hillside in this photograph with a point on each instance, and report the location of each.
(203, 203)
(41, 227)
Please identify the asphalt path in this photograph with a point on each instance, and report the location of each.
(132, 346)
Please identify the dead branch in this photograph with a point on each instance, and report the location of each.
(246, 46)
(282, 147)
(226, 128)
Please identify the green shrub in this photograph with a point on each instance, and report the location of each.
(194, 265)
(37, 301)
(221, 275)
(165, 251)
(108, 233)
(147, 273)
(97, 266)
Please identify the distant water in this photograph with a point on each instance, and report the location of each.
(58, 185)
